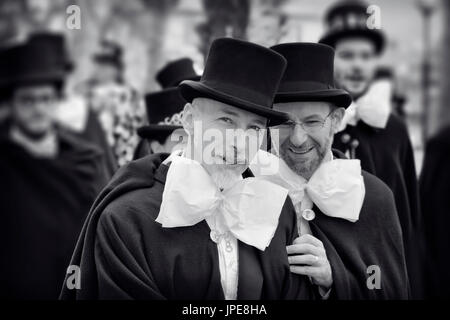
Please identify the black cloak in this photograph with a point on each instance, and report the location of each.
(387, 153)
(124, 254)
(435, 200)
(43, 203)
(374, 240)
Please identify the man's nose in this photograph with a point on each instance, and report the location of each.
(298, 136)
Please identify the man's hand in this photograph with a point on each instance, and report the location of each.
(307, 256)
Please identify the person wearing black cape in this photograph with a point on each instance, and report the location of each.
(50, 178)
(164, 110)
(195, 224)
(342, 210)
(435, 200)
(370, 131)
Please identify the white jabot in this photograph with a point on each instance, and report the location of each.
(46, 147)
(250, 208)
(374, 108)
(247, 211)
(336, 187)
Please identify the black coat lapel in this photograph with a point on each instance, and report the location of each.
(250, 273)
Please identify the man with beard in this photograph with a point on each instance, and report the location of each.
(49, 178)
(164, 110)
(194, 225)
(344, 214)
(370, 131)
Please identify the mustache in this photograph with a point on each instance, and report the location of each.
(230, 159)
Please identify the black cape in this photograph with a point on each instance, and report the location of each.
(387, 153)
(435, 200)
(375, 239)
(124, 254)
(43, 203)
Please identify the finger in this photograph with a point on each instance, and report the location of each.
(305, 259)
(305, 248)
(304, 270)
(307, 238)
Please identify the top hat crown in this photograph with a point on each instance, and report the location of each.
(164, 112)
(110, 53)
(55, 42)
(6, 57)
(242, 74)
(349, 18)
(41, 59)
(309, 74)
(175, 72)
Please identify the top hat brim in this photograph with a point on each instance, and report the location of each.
(376, 36)
(153, 130)
(44, 77)
(340, 98)
(193, 89)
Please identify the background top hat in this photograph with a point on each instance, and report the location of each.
(176, 71)
(55, 42)
(110, 53)
(6, 58)
(41, 59)
(349, 18)
(242, 74)
(164, 110)
(309, 75)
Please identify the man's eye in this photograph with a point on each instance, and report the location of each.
(226, 120)
(312, 123)
(256, 128)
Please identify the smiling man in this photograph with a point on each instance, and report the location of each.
(195, 225)
(346, 217)
(370, 130)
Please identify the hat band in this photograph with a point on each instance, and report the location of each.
(242, 92)
(294, 86)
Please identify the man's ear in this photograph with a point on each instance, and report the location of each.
(188, 119)
(336, 119)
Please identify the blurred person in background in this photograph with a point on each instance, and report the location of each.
(50, 177)
(435, 201)
(72, 111)
(164, 109)
(120, 108)
(165, 132)
(370, 131)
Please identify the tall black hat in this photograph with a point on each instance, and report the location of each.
(42, 59)
(110, 53)
(349, 18)
(175, 72)
(309, 75)
(55, 42)
(242, 74)
(164, 111)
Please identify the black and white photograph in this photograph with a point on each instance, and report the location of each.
(224, 155)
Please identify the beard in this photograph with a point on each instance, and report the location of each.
(306, 166)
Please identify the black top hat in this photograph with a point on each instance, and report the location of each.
(55, 42)
(164, 110)
(110, 53)
(39, 60)
(6, 58)
(242, 74)
(176, 71)
(309, 75)
(349, 19)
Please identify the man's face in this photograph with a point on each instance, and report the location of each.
(33, 107)
(105, 73)
(307, 137)
(224, 137)
(355, 65)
